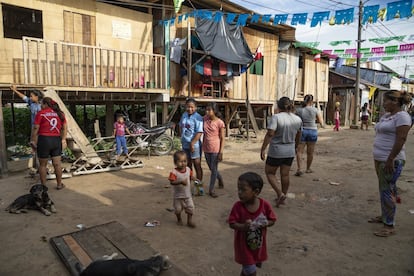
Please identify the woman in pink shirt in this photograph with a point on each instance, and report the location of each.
(213, 144)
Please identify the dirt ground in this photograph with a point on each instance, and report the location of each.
(322, 230)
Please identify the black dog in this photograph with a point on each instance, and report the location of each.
(38, 199)
(123, 267)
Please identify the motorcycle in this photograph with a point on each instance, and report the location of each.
(153, 138)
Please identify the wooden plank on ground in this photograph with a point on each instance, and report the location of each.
(66, 254)
(131, 246)
(85, 246)
(77, 250)
(96, 244)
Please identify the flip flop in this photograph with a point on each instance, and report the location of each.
(280, 200)
(298, 173)
(309, 171)
(385, 232)
(60, 187)
(377, 219)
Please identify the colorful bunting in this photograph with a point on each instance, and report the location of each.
(399, 9)
(318, 17)
(384, 40)
(344, 16)
(255, 18)
(280, 19)
(241, 21)
(266, 18)
(230, 17)
(336, 43)
(299, 18)
(370, 14)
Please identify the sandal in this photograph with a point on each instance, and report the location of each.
(377, 219)
(280, 200)
(385, 232)
(60, 187)
(309, 171)
(298, 173)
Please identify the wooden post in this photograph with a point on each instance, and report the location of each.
(164, 112)
(49, 78)
(227, 118)
(109, 118)
(189, 59)
(38, 79)
(3, 149)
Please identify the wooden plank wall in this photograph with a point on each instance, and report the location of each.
(84, 12)
(316, 82)
(289, 83)
(261, 88)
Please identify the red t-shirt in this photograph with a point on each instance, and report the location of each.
(49, 122)
(245, 241)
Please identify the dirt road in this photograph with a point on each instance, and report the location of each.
(322, 230)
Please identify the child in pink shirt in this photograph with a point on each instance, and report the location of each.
(213, 144)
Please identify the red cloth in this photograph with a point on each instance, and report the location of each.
(239, 214)
(49, 122)
(208, 67)
(223, 68)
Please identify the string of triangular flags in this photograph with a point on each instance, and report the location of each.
(372, 59)
(371, 14)
(382, 51)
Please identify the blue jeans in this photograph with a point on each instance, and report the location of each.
(212, 162)
(121, 144)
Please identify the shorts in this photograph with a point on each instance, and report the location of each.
(309, 135)
(183, 203)
(193, 155)
(49, 146)
(364, 118)
(249, 269)
(277, 162)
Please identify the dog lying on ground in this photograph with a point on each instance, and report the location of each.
(123, 267)
(38, 199)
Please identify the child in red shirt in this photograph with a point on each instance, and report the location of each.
(250, 218)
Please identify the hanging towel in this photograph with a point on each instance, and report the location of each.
(208, 66)
(199, 68)
(223, 68)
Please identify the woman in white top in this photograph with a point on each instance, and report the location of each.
(389, 155)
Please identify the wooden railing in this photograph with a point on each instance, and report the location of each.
(68, 64)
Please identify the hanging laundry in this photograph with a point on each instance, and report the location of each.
(222, 68)
(216, 69)
(199, 68)
(208, 67)
(175, 51)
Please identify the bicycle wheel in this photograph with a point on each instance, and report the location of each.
(163, 145)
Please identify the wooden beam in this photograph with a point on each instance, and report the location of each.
(3, 148)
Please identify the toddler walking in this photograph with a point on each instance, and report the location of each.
(180, 177)
(250, 218)
(119, 133)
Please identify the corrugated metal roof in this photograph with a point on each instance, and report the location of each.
(362, 81)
